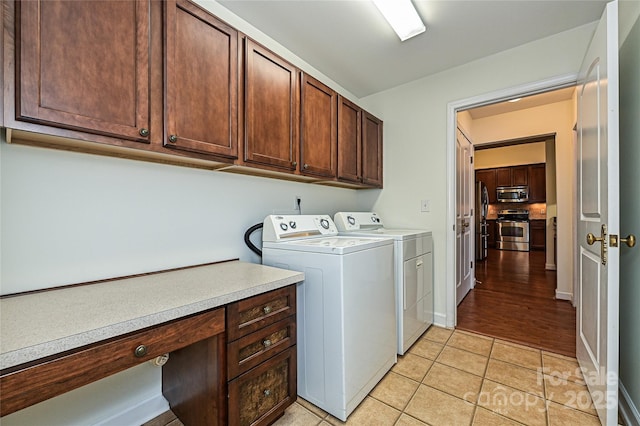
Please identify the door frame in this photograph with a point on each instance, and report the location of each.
(558, 82)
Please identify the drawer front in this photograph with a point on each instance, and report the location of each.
(262, 394)
(249, 351)
(33, 384)
(249, 315)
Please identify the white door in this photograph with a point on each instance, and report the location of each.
(598, 199)
(464, 217)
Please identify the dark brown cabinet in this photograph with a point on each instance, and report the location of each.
(538, 234)
(318, 128)
(349, 141)
(271, 101)
(201, 74)
(537, 183)
(512, 176)
(261, 357)
(85, 66)
(491, 240)
(488, 177)
(371, 150)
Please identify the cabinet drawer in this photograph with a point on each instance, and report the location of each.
(35, 383)
(262, 394)
(249, 351)
(254, 313)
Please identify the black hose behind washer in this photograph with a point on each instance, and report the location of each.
(248, 242)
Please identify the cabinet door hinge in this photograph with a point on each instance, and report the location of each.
(472, 264)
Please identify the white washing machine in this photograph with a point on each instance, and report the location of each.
(413, 250)
(346, 330)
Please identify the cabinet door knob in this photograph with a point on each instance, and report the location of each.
(173, 138)
(267, 392)
(140, 351)
(305, 166)
(266, 309)
(294, 164)
(144, 132)
(266, 343)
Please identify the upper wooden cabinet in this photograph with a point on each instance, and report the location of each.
(201, 74)
(537, 183)
(371, 150)
(512, 176)
(85, 66)
(318, 128)
(270, 109)
(488, 177)
(349, 141)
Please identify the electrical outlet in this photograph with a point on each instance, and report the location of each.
(425, 205)
(542, 211)
(297, 202)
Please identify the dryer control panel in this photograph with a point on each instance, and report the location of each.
(357, 221)
(291, 227)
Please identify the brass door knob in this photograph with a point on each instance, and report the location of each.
(591, 239)
(602, 239)
(630, 241)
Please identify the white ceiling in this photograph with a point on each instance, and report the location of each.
(350, 42)
(524, 103)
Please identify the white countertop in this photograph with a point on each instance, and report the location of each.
(37, 325)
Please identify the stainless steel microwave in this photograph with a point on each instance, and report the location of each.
(512, 194)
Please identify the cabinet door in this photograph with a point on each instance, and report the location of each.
(201, 81)
(503, 176)
(318, 133)
(488, 177)
(371, 150)
(538, 232)
(519, 175)
(84, 65)
(537, 183)
(491, 239)
(271, 109)
(349, 141)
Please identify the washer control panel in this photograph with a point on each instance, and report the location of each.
(357, 221)
(292, 227)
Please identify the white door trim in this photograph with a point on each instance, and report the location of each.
(452, 108)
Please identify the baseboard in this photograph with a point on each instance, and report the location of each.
(440, 320)
(550, 267)
(139, 413)
(627, 408)
(561, 295)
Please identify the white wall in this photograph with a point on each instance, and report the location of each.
(415, 132)
(629, 13)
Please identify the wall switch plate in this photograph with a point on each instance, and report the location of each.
(425, 205)
(542, 211)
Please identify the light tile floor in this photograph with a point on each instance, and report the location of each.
(459, 378)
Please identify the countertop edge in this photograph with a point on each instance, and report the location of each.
(33, 353)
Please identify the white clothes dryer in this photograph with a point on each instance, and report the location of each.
(346, 330)
(413, 258)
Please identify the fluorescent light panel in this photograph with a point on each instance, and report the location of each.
(402, 17)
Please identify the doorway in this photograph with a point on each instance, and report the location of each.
(517, 294)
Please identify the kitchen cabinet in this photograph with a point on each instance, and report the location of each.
(318, 128)
(349, 141)
(261, 333)
(64, 78)
(371, 150)
(488, 177)
(492, 229)
(512, 176)
(537, 183)
(271, 101)
(538, 234)
(201, 74)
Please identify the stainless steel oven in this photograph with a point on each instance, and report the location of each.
(513, 230)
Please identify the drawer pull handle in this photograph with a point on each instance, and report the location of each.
(140, 351)
(266, 343)
(418, 263)
(266, 309)
(267, 392)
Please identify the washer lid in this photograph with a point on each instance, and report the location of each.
(330, 245)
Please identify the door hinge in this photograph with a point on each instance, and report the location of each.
(471, 158)
(472, 264)
(471, 212)
(454, 228)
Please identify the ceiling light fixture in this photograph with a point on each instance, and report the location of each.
(402, 17)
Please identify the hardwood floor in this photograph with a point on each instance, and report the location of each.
(514, 300)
